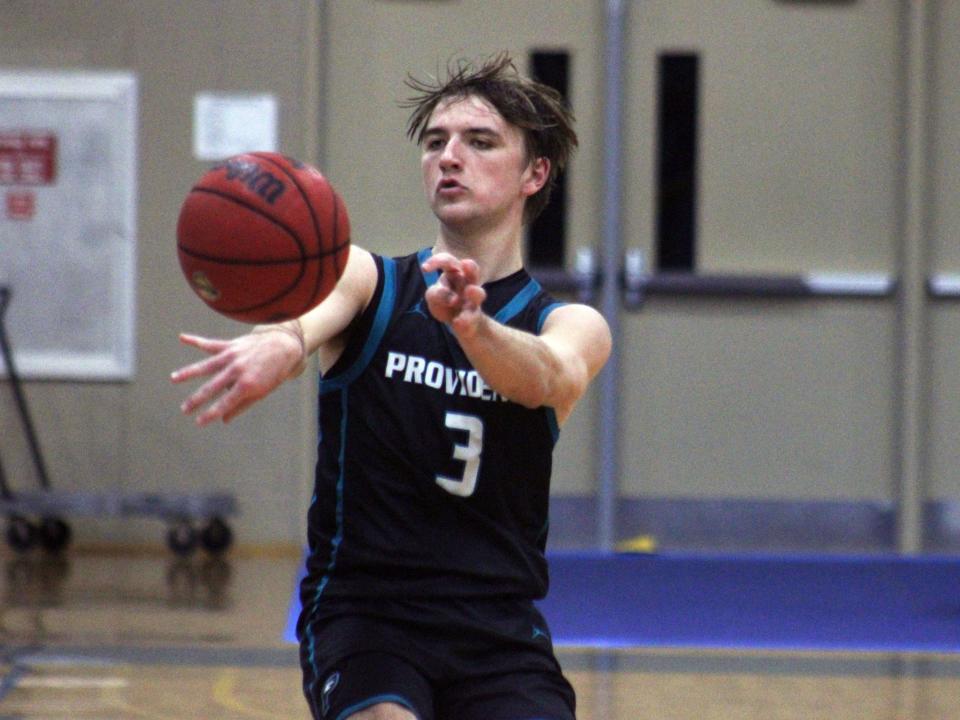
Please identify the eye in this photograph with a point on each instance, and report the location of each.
(482, 144)
(433, 144)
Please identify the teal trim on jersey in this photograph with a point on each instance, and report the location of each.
(380, 322)
(552, 421)
(369, 702)
(518, 303)
(431, 277)
(553, 424)
(312, 656)
(338, 536)
(342, 460)
(544, 530)
(546, 311)
(510, 310)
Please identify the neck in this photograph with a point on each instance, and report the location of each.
(497, 255)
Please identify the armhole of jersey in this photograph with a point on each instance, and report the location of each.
(545, 312)
(552, 421)
(381, 320)
(553, 424)
(429, 278)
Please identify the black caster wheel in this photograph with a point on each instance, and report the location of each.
(216, 573)
(181, 583)
(216, 537)
(55, 535)
(215, 576)
(21, 534)
(182, 539)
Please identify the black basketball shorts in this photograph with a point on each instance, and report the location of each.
(487, 660)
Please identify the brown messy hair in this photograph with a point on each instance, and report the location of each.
(537, 109)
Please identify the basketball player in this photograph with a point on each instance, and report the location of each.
(446, 375)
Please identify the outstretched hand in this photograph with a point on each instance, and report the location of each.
(241, 371)
(457, 296)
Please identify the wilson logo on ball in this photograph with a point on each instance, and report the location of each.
(254, 178)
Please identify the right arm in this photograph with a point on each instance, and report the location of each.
(249, 367)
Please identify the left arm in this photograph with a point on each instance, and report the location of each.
(552, 369)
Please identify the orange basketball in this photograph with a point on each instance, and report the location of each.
(263, 237)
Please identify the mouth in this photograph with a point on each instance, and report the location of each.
(449, 186)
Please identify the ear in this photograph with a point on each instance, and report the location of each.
(535, 176)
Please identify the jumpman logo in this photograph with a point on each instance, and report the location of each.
(418, 309)
(539, 633)
(328, 687)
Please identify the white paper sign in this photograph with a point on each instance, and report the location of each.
(68, 192)
(225, 125)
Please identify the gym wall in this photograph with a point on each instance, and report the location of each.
(802, 129)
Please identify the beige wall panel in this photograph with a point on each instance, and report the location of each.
(943, 464)
(371, 46)
(944, 388)
(945, 137)
(798, 142)
(130, 437)
(769, 400)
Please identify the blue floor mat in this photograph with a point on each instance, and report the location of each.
(889, 604)
(883, 604)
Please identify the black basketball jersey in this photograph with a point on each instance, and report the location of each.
(428, 483)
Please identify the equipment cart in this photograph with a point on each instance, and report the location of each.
(192, 520)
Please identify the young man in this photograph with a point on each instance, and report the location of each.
(445, 376)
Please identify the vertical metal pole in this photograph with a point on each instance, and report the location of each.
(911, 317)
(611, 256)
(21, 399)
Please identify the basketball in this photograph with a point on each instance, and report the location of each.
(262, 237)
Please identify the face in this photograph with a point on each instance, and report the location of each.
(476, 172)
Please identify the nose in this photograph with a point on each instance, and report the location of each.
(450, 157)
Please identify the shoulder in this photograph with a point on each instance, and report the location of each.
(359, 279)
(360, 263)
(582, 330)
(568, 316)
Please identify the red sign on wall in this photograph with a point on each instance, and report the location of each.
(27, 158)
(21, 204)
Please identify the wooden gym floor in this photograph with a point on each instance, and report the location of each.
(132, 637)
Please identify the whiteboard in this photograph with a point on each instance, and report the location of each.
(68, 188)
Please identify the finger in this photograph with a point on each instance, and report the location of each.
(441, 261)
(206, 393)
(453, 279)
(442, 302)
(440, 293)
(201, 367)
(474, 295)
(450, 268)
(198, 369)
(224, 408)
(471, 271)
(208, 345)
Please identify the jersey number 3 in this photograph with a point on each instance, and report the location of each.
(469, 454)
